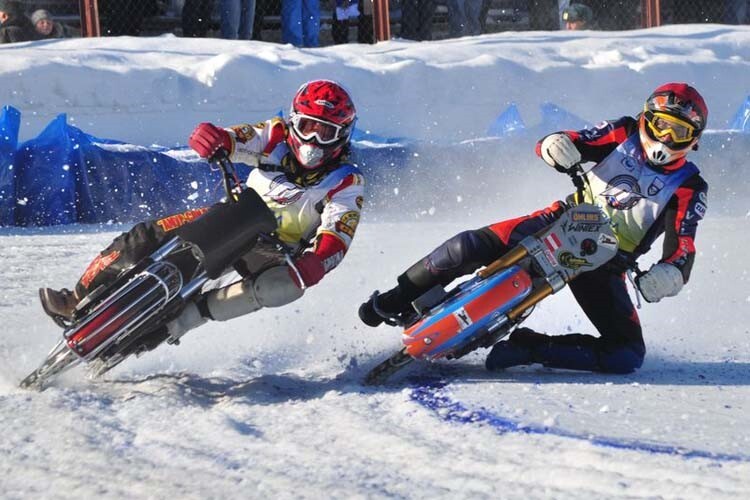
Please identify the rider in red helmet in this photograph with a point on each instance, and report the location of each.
(321, 121)
(304, 177)
(645, 184)
(672, 120)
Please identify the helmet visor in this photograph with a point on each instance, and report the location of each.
(670, 130)
(309, 128)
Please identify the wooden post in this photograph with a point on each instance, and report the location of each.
(89, 18)
(650, 13)
(381, 19)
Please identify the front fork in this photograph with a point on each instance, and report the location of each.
(551, 282)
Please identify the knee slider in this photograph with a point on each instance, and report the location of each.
(275, 287)
(272, 288)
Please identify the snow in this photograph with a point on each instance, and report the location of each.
(272, 405)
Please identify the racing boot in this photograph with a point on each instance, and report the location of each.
(59, 305)
(392, 307)
(517, 350)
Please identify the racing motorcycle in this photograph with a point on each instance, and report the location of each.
(486, 307)
(129, 315)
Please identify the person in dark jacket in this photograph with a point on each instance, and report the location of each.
(46, 27)
(14, 25)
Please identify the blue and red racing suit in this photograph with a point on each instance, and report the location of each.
(642, 201)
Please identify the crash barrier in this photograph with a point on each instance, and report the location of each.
(66, 176)
(343, 21)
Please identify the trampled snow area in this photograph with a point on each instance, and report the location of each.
(272, 405)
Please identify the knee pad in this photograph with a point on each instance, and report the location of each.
(272, 288)
(275, 287)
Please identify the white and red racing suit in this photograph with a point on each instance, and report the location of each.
(316, 210)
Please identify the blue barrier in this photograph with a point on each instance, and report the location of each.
(65, 176)
(508, 122)
(741, 119)
(554, 118)
(10, 122)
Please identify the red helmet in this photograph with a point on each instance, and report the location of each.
(673, 119)
(321, 121)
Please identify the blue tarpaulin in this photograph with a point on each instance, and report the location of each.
(741, 119)
(65, 176)
(10, 121)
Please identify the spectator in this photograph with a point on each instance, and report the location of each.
(261, 7)
(737, 12)
(300, 22)
(196, 18)
(362, 10)
(416, 19)
(46, 27)
(577, 16)
(342, 13)
(463, 17)
(365, 27)
(237, 17)
(14, 25)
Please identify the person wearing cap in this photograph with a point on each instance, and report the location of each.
(46, 27)
(577, 16)
(14, 25)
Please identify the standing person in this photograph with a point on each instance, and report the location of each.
(644, 183)
(304, 177)
(737, 12)
(300, 22)
(196, 18)
(237, 18)
(343, 11)
(46, 27)
(464, 17)
(416, 19)
(14, 25)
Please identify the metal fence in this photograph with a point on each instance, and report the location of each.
(343, 21)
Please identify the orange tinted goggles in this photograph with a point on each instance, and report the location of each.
(667, 128)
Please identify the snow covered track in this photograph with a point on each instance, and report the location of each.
(272, 405)
(436, 397)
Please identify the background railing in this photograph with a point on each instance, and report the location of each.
(412, 19)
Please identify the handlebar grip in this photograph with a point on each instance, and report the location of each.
(219, 155)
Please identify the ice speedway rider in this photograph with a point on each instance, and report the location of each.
(644, 182)
(304, 177)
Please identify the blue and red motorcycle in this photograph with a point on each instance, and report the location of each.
(488, 306)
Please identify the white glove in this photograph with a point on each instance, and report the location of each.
(662, 280)
(188, 319)
(560, 152)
